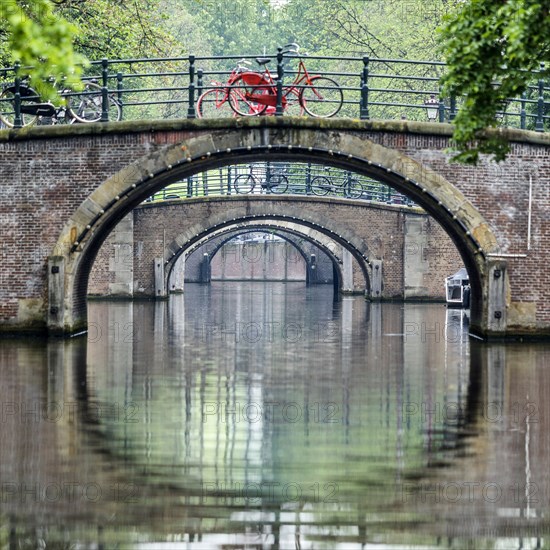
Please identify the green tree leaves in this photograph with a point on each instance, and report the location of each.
(489, 46)
(38, 37)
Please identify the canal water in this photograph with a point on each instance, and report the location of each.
(260, 416)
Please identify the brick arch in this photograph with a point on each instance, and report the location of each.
(97, 215)
(226, 238)
(250, 226)
(281, 234)
(247, 214)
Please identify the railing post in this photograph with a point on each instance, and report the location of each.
(220, 179)
(348, 184)
(441, 107)
(452, 113)
(17, 121)
(539, 126)
(229, 180)
(191, 110)
(268, 177)
(280, 75)
(364, 105)
(308, 179)
(105, 90)
(523, 112)
(199, 82)
(119, 93)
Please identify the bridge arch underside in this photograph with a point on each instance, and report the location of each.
(239, 253)
(323, 270)
(334, 241)
(324, 267)
(117, 196)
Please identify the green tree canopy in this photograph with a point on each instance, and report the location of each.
(56, 38)
(34, 35)
(484, 43)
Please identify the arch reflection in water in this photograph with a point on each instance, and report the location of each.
(269, 414)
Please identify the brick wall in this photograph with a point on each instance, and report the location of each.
(501, 193)
(158, 225)
(258, 262)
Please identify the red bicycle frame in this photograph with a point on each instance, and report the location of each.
(265, 89)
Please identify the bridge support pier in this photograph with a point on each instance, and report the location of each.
(496, 297)
(347, 271)
(160, 286)
(376, 280)
(56, 294)
(177, 277)
(122, 263)
(312, 270)
(205, 269)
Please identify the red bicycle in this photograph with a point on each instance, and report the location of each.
(253, 93)
(216, 101)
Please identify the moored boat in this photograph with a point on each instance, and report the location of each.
(457, 289)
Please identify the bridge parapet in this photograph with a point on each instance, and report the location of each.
(198, 86)
(282, 178)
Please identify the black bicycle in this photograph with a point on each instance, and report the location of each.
(84, 106)
(348, 187)
(274, 182)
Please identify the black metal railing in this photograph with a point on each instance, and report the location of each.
(282, 178)
(162, 88)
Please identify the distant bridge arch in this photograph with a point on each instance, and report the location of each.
(289, 232)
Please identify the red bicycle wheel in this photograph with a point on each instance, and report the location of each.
(214, 104)
(322, 97)
(248, 85)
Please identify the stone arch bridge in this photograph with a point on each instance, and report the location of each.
(390, 252)
(65, 188)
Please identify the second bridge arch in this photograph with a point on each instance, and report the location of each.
(407, 251)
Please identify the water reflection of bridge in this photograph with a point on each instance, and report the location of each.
(413, 414)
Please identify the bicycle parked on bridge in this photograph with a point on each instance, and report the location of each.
(255, 93)
(274, 182)
(84, 106)
(349, 187)
(215, 102)
(219, 101)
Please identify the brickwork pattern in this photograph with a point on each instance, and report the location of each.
(43, 182)
(258, 262)
(102, 276)
(380, 229)
(501, 193)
